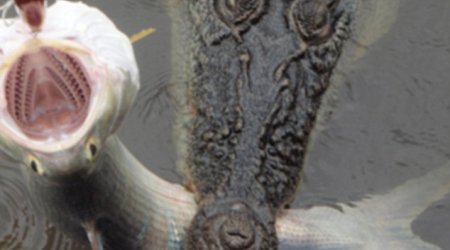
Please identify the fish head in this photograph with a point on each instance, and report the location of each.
(63, 90)
(58, 107)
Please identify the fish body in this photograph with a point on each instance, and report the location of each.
(162, 211)
(124, 202)
(380, 221)
(156, 214)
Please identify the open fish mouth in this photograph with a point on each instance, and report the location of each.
(65, 86)
(53, 94)
(47, 93)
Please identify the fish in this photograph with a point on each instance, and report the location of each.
(68, 77)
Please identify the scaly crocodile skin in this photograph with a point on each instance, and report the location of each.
(254, 72)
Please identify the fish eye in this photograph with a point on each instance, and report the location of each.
(35, 165)
(91, 149)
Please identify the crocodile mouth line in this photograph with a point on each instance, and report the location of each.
(47, 93)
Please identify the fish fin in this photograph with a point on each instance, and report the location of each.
(94, 236)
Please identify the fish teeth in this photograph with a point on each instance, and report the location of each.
(47, 87)
(71, 75)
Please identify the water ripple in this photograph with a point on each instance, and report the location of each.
(21, 228)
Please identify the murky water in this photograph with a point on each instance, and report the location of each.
(390, 118)
(387, 120)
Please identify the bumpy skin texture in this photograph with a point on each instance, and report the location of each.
(255, 72)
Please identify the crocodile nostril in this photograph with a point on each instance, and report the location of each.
(237, 239)
(237, 233)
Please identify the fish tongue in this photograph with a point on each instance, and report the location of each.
(49, 100)
(52, 115)
(32, 11)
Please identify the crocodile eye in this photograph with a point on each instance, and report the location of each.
(319, 22)
(237, 11)
(35, 165)
(91, 149)
(312, 19)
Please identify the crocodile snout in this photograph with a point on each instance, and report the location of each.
(231, 225)
(236, 232)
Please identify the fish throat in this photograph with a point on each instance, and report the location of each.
(47, 93)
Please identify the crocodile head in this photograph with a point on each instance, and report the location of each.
(256, 76)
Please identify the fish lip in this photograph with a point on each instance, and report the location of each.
(70, 175)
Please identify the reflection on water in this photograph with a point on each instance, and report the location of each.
(387, 120)
(390, 117)
(21, 227)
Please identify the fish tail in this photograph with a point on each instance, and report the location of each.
(394, 212)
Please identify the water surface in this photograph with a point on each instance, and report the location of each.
(386, 120)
